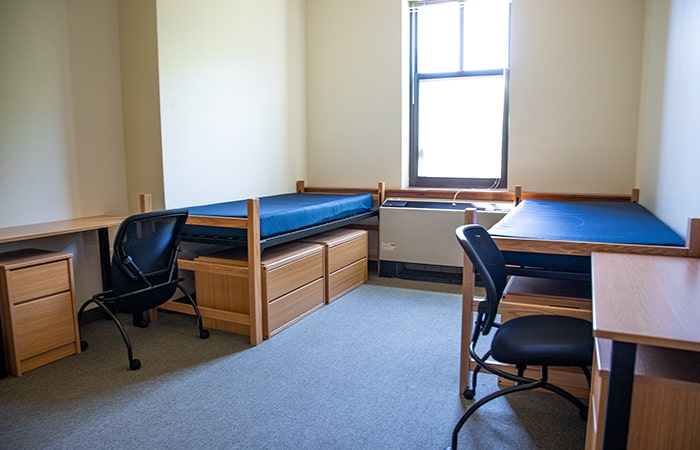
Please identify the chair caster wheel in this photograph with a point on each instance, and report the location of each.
(134, 364)
(204, 334)
(468, 393)
(83, 346)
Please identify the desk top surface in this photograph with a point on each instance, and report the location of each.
(48, 229)
(647, 299)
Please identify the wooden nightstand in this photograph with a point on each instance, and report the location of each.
(38, 308)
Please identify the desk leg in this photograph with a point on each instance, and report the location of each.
(617, 414)
(105, 266)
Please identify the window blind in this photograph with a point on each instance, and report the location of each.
(416, 3)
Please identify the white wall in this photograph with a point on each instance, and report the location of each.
(669, 133)
(356, 75)
(61, 142)
(232, 98)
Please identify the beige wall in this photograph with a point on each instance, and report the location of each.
(220, 91)
(574, 94)
(61, 139)
(668, 158)
(232, 98)
(355, 76)
(575, 79)
(138, 39)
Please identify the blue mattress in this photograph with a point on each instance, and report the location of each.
(580, 221)
(280, 214)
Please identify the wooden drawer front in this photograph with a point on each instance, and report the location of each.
(286, 278)
(347, 279)
(39, 281)
(346, 253)
(510, 310)
(293, 306)
(44, 324)
(596, 408)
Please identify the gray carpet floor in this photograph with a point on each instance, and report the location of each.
(376, 369)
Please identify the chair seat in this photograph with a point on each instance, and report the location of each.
(544, 340)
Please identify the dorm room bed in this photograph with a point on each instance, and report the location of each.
(246, 228)
(553, 236)
(554, 239)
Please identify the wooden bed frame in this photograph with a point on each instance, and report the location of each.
(580, 248)
(253, 321)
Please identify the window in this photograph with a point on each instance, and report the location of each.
(460, 52)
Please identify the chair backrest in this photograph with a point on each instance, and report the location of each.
(489, 264)
(145, 255)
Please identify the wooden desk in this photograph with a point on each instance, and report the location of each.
(641, 300)
(101, 224)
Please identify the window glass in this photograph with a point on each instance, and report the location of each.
(439, 38)
(460, 120)
(459, 93)
(486, 25)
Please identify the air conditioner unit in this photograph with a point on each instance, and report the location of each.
(417, 237)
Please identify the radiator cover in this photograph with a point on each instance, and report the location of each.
(419, 235)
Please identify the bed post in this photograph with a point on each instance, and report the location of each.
(693, 239)
(635, 195)
(146, 206)
(381, 193)
(145, 203)
(518, 194)
(300, 186)
(467, 314)
(254, 277)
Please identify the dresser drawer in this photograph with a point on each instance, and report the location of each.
(347, 252)
(343, 247)
(38, 281)
(39, 319)
(346, 279)
(44, 324)
(290, 268)
(292, 307)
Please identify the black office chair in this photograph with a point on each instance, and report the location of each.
(537, 340)
(144, 271)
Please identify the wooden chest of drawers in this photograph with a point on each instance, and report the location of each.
(346, 260)
(665, 409)
(38, 308)
(292, 280)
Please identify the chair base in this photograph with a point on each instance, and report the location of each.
(109, 310)
(523, 384)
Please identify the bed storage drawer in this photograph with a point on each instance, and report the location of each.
(346, 260)
(346, 279)
(291, 307)
(527, 296)
(292, 284)
(288, 267)
(292, 279)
